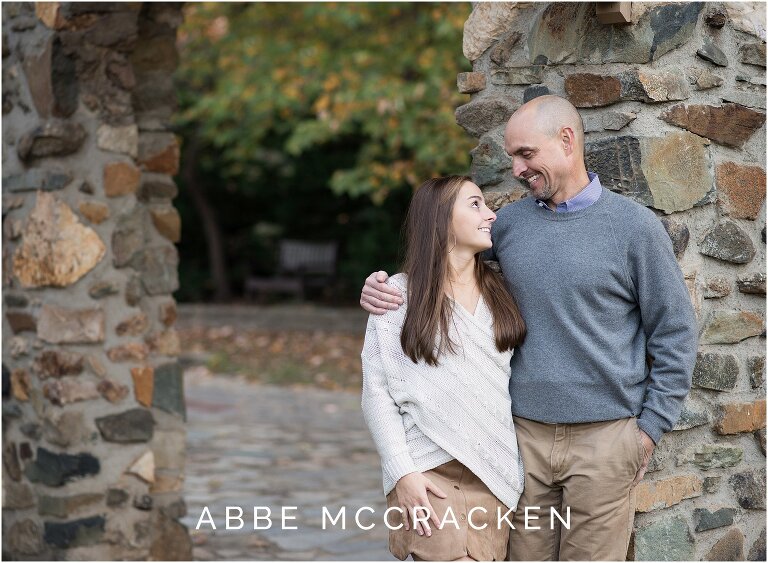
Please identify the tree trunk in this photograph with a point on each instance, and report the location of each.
(210, 223)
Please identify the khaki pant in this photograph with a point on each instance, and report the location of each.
(465, 492)
(588, 467)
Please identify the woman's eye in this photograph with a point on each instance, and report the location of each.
(475, 204)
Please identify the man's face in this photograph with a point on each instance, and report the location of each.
(537, 159)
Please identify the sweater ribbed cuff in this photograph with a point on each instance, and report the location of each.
(398, 465)
(652, 424)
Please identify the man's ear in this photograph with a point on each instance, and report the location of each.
(568, 139)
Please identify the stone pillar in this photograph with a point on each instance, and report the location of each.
(674, 111)
(93, 406)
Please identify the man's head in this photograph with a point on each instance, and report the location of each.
(545, 138)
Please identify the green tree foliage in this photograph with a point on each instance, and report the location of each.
(365, 92)
(313, 73)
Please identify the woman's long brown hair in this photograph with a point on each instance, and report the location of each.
(425, 334)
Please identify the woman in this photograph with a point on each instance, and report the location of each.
(435, 384)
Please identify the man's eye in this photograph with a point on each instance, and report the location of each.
(475, 204)
(527, 155)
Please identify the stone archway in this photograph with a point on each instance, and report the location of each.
(93, 406)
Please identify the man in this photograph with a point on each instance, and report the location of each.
(600, 290)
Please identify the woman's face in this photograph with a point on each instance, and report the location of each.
(471, 221)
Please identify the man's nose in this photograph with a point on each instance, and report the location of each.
(518, 167)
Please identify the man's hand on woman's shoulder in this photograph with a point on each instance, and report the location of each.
(377, 297)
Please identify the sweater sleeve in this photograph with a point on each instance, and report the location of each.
(382, 414)
(669, 323)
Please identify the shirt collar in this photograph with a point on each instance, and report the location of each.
(586, 197)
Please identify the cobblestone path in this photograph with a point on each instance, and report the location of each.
(267, 446)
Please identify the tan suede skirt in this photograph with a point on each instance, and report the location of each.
(465, 491)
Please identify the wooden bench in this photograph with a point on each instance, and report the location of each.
(301, 265)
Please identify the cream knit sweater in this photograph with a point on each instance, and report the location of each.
(422, 416)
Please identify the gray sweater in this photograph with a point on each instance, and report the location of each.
(597, 289)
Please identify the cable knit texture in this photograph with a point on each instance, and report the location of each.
(422, 416)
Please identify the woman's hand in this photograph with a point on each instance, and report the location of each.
(411, 491)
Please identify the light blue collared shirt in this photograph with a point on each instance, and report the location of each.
(581, 200)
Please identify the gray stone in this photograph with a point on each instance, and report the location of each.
(757, 551)
(133, 290)
(717, 288)
(53, 470)
(616, 120)
(534, 92)
(502, 51)
(705, 79)
(730, 547)
(752, 283)
(749, 487)
(754, 80)
(17, 496)
(31, 430)
(667, 539)
(715, 371)
(704, 520)
(692, 415)
(159, 269)
(728, 242)
(490, 163)
(517, 76)
(753, 54)
(37, 179)
(116, 498)
(120, 139)
(143, 502)
(712, 456)
(569, 33)
(128, 238)
(712, 53)
(61, 507)
(176, 509)
(67, 429)
(102, 289)
(748, 99)
(53, 138)
(712, 484)
(760, 437)
(154, 185)
(617, 160)
(730, 327)
(168, 392)
(678, 233)
(756, 370)
(653, 87)
(16, 300)
(480, 116)
(134, 425)
(24, 537)
(85, 531)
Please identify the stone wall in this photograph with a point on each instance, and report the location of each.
(674, 109)
(93, 407)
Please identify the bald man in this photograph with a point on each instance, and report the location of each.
(600, 290)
